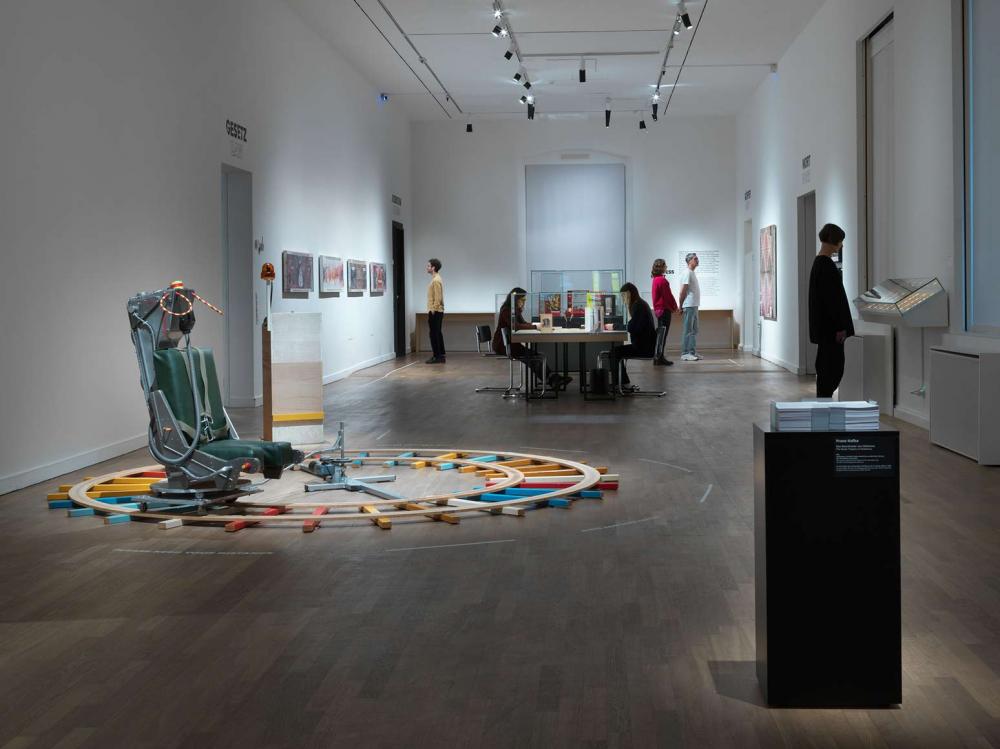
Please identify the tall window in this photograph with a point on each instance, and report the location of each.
(879, 111)
(982, 167)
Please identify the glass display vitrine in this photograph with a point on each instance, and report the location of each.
(561, 281)
(574, 308)
(909, 302)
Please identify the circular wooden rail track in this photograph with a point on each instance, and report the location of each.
(430, 506)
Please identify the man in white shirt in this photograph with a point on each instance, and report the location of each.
(689, 301)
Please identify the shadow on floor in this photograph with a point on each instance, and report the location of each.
(737, 680)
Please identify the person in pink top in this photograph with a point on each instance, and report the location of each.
(664, 305)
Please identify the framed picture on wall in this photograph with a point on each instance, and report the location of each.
(377, 277)
(357, 275)
(769, 272)
(296, 272)
(331, 274)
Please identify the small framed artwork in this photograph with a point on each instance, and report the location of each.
(331, 274)
(376, 277)
(296, 272)
(357, 275)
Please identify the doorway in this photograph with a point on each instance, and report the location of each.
(807, 253)
(399, 289)
(751, 302)
(237, 274)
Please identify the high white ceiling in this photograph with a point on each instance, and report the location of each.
(736, 42)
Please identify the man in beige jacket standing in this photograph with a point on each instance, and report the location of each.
(435, 311)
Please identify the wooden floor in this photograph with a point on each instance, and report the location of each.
(626, 622)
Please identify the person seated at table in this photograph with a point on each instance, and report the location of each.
(641, 332)
(510, 323)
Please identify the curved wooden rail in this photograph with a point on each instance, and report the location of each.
(513, 477)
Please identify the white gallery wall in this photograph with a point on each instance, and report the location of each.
(809, 107)
(469, 193)
(113, 136)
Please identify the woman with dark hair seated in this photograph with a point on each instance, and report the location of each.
(641, 333)
(510, 323)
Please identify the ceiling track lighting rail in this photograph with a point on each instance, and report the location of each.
(423, 60)
(502, 29)
(670, 44)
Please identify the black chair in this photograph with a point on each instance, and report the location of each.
(661, 338)
(485, 336)
(524, 361)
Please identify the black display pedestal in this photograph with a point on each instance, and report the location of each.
(826, 539)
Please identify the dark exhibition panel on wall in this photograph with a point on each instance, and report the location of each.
(826, 541)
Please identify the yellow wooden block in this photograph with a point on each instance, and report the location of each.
(446, 457)
(539, 467)
(94, 494)
(515, 463)
(383, 523)
(418, 464)
(307, 416)
(57, 495)
(554, 472)
(468, 469)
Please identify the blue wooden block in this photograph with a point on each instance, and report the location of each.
(590, 494)
(560, 502)
(115, 519)
(484, 459)
(129, 505)
(395, 462)
(80, 512)
(493, 498)
(526, 492)
(60, 504)
(445, 466)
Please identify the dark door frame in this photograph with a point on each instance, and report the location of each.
(399, 289)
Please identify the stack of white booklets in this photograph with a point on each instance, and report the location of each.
(824, 416)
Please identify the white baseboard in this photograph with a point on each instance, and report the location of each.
(344, 373)
(793, 368)
(912, 417)
(14, 481)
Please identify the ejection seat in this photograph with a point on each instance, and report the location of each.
(173, 380)
(190, 432)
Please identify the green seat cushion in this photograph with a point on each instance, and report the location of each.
(270, 454)
(172, 378)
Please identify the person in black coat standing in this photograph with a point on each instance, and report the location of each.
(830, 322)
(641, 332)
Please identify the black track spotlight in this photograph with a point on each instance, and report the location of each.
(583, 71)
(531, 107)
(524, 99)
(642, 122)
(520, 75)
(527, 83)
(510, 52)
(607, 112)
(498, 31)
(468, 125)
(656, 105)
(685, 16)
